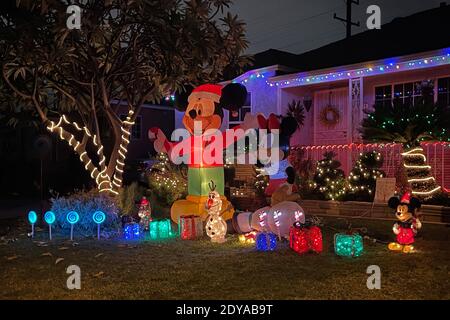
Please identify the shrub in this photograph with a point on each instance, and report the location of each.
(362, 179)
(128, 197)
(168, 182)
(329, 180)
(86, 203)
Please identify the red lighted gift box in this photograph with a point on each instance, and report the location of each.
(303, 239)
(190, 227)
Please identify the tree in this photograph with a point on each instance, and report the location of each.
(410, 124)
(329, 180)
(168, 182)
(126, 53)
(363, 177)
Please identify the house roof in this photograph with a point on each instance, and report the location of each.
(420, 32)
(274, 57)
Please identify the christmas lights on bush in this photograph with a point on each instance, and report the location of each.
(362, 178)
(329, 179)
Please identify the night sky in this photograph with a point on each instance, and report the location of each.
(301, 25)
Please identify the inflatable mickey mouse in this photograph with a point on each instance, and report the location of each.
(204, 107)
(408, 225)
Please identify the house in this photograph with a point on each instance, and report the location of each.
(349, 76)
(150, 115)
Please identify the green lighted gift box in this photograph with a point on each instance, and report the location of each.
(161, 229)
(348, 245)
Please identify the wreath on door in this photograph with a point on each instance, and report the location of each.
(329, 116)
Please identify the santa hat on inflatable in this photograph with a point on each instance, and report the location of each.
(207, 91)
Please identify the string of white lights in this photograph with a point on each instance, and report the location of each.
(418, 153)
(84, 158)
(125, 140)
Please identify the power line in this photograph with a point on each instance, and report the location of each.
(289, 24)
(348, 20)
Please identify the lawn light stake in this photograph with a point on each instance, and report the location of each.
(98, 217)
(72, 218)
(32, 218)
(49, 218)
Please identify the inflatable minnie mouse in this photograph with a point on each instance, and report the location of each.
(286, 127)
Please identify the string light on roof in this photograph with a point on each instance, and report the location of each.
(438, 60)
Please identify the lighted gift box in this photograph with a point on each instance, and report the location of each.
(131, 231)
(266, 241)
(190, 227)
(348, 245)
(161, 229)
(248, 238)
(304, 238)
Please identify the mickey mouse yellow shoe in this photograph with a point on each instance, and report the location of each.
(408, 249)
(195, 205)
(394, 246)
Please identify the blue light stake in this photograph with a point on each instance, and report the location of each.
(72, 218)
(32, 218)
(98, 217)
(49, 218)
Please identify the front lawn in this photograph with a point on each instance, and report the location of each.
(175, 269)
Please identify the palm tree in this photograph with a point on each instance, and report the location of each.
(410, 124)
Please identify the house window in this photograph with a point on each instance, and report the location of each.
(383, 96)
(136, 128)
(443, 94)
(234, 120)
(405, 93)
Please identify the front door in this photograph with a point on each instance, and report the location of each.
(332, 125)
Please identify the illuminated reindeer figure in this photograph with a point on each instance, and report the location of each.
(216, 227)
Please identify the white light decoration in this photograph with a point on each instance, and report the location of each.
(216, 227)
(427, 193)
(418, 153)
(422, 179)
(125, 140)
(99, 174)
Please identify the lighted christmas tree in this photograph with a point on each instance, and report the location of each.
(420, 178)
(411, 124)
(329, 180)
(167, 181)
(363, 177)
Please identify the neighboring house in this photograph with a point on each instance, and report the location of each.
(140, 147)
(351, 76)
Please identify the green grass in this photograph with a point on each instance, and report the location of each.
(177, 269)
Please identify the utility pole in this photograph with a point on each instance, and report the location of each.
(348, 21)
